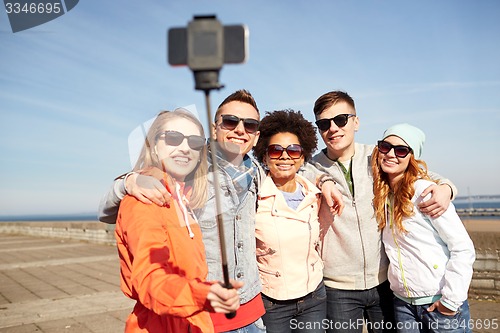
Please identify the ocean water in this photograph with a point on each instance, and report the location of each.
(461, 203)
(465, 205)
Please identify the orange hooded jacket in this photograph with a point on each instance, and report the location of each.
(163, 268)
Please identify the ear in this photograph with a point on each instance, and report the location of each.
(156, 150)
(264, 164)
(214, 131)
(356, 123)
(256, 138)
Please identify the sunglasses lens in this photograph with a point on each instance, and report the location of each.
(274, 151)
(251, 125)
(384, 147)
(230, 122)
(323, 124)
(341, 120)
(294, 151)
(173, 138)
(196, 142)
(401, 151)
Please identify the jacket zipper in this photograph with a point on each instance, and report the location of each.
(308, 252)
(357, 216)
(277, 273)
(400, 259)
(269, 251)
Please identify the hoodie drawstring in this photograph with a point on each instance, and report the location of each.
(184, 210)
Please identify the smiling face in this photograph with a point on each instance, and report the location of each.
(394, 166)
(339, 140)
(284, 168)
(178, 161)
(236, 142)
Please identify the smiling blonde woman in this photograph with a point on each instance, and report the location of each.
(162, 256)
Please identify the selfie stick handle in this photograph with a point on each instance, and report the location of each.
(218, 210)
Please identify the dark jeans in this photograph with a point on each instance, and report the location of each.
(348, 310)
(416, 318)
(305, 314)
(256, 327)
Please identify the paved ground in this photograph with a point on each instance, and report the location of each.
(54, 286)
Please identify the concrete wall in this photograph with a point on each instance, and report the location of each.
(485, 283)
(95, 232)
(486, 279)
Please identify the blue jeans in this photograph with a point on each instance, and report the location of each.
(349, 310)
(305, 314)
(416, 318)
(256, 327)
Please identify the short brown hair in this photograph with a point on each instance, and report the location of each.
(242, 96)
(330, 98)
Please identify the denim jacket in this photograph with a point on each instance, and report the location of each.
(239, 230)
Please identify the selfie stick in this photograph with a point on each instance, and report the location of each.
(202, 47)
(218, 209)
(207, 80)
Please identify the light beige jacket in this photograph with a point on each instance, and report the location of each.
(288, 242)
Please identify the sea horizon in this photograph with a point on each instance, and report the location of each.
(49, 217)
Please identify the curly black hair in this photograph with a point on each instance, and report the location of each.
(286, 121)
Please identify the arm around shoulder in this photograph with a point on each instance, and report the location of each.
(442, 194)
(110, 202)
(444, 181)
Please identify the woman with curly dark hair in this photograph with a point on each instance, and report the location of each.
(287, 227)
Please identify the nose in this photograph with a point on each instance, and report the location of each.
(240, 128)
(391, 152)
(333, 126)
(184, 145)
(285, 157)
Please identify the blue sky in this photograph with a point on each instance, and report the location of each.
(73, 89)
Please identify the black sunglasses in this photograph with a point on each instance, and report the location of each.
(230, 122)
(174, 138)
(400, 151)
(339, 120)
(275, 151)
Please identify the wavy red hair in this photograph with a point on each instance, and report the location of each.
(402, 193)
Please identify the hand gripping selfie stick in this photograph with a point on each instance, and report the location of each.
(205, 46)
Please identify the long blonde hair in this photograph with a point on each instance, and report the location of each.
(402, 193)
(198, 178)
